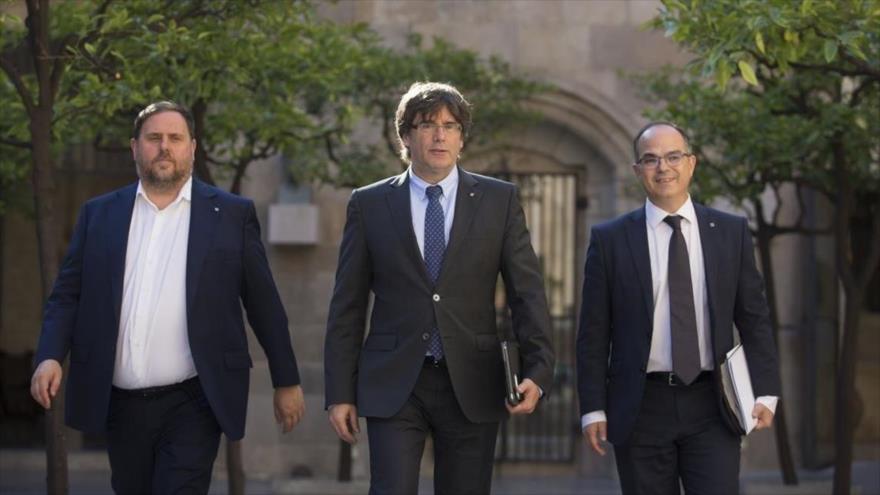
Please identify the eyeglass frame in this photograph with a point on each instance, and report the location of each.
(663, 158)
(431, 127)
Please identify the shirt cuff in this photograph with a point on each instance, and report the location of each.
(769, 401)
(592, 417)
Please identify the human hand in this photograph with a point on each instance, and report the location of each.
(530, 395)
(289, 406)
(763, 416)
(344, 419)
(46, 381)
(595, 434)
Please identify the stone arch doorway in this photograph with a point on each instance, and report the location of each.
(571, 167)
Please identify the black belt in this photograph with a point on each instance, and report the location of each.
(670, 378)
(434, 362)
(151, 392)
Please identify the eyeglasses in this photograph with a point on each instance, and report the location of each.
(431, 128)
(673, 159)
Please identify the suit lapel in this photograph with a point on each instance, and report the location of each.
(637, 235)
(467, 199)
(119, 222)
(710, 242)
(401, 214)
(205, 213)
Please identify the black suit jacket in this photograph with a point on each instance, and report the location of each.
(379, 254)
(614, 337)
(226, 267)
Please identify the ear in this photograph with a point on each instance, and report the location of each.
(133, 144)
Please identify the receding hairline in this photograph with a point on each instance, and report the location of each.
(657, 124)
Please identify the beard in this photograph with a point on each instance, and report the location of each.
(163, 180)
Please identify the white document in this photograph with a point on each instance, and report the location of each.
(735, 375)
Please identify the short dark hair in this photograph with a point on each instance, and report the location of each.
(427, 99)
(657, 123)
(159, 107)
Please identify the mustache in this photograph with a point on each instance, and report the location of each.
(163, 157)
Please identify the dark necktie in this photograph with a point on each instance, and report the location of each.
(685, 348)
(435, 246)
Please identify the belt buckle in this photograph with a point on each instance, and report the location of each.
(671, 379)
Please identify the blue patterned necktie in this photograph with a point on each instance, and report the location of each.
(435, 246)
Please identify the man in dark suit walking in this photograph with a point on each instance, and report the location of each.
(148, 304)
(663, 287)
(431, 363)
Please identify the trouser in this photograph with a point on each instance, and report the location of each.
(162, 440)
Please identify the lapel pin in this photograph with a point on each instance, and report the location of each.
(216, 208)
(471, 195)
(711, 224)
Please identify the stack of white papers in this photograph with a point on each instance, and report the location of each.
(738, 387)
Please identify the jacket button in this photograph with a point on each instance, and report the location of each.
(436, 297)
(426, 336)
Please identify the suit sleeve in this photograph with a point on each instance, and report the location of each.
(594, 331)
(752, 319)
(346, 322)
(59, 316)
(265, 312)
(526, 298)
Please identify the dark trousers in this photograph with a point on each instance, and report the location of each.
(463, 451)
(679, 440)
(162, 440)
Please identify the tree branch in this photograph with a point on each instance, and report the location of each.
(15, 142)
(15, 77)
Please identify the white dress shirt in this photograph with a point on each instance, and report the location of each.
(152, 347)
(659, 235)
(418, 203)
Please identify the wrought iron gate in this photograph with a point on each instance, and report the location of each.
(550, 433)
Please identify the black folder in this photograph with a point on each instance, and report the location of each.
(510, 356)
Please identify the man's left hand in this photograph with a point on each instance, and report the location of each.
(289, 406)
(530, 395)
(763, 416)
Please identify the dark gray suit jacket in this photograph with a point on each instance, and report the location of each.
(379, 254)
(614, 338)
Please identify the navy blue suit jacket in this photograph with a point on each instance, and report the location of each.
(226, 268)
(614, 337)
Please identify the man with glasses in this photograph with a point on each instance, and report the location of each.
(663, 287)
(429, 245)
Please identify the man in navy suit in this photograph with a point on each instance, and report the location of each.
(148, 305)
(663, 287)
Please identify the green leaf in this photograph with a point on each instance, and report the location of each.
(829, 49)
(723, 74)
(759, 42)
(747, 72)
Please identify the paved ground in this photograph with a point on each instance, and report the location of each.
(93, 480)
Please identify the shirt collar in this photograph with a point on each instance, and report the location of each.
(185, 192)
(419, 185)
(654, 215)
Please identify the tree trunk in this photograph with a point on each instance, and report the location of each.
(48, 232)
(783, 446)
(200, 165)
(235, 467)
(846, 420)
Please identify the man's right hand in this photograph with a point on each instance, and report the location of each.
(45, 382)
(344, 419)
(595, 434)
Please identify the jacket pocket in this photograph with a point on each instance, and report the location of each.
(237, 360)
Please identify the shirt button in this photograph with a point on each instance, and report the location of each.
(426, 336)
(436, 297)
